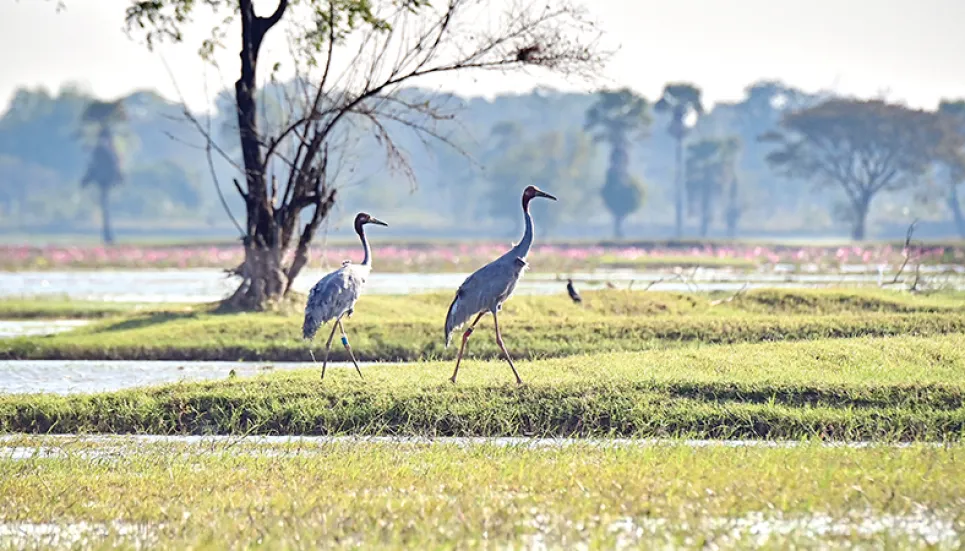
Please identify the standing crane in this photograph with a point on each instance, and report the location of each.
(490, 286)
(335, 295)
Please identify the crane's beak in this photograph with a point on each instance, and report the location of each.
(373, 220)
(544, 194)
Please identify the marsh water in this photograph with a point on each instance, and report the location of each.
(48, 445)
(915, 526)
(83, 376)
(205, 285)
(27, 328)
(767, 529)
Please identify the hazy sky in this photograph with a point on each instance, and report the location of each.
(907, 50)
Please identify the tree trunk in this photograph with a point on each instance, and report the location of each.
(956, 209)
(704, 211)
(105, 203)
(679, 190)
(265, 279)
(860, 210)
(731, 223)
(733, 210)
(618, 227)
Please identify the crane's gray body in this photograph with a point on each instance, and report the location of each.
(334, 296)
(486, 289)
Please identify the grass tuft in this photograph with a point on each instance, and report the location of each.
(900, 388)
(403, 328)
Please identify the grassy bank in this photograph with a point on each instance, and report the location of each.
(445, 497)
(57, 308)
(396, 328)
(899, 388)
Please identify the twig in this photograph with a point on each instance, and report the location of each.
(209, 144)
(732, 297)
(906, 252)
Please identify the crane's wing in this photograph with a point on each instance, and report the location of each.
(483, 290)
(332, 296)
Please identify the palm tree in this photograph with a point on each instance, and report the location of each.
(680, 100)
(710, 169)
(729, 152)
(616, 117)
(104, 168)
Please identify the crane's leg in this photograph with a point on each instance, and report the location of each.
(499, 341)
(462, 348)
(348, 347)
(328, 348)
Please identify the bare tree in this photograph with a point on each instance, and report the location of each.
(385, 45)
(863, 147)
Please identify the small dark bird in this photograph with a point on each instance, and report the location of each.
(572, 291)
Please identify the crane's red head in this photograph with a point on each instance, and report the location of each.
(363, 218)
(532, 191)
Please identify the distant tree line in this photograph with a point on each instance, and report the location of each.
(778, 161)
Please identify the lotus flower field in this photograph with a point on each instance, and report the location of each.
(464, 257)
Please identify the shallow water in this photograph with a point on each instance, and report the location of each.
(761, 528)
(206, 285)
(69, 535)
(25, 328)
(917, 526)
(86, 376)
(921, 528)
(49, 445)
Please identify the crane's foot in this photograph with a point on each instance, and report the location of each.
(452, 379)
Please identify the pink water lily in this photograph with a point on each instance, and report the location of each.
(464, 256)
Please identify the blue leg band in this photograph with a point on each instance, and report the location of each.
(344, 341)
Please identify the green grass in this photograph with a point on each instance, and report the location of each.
(57, 308)
(899, 388)
(374, 496)
(395, 328)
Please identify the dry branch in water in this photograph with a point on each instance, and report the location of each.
(906, 252)
(906, 257)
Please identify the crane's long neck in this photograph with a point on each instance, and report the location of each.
(522, 248)
(367, 261)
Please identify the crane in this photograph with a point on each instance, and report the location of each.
(335, 295)
(574, 294)
(489, 287)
